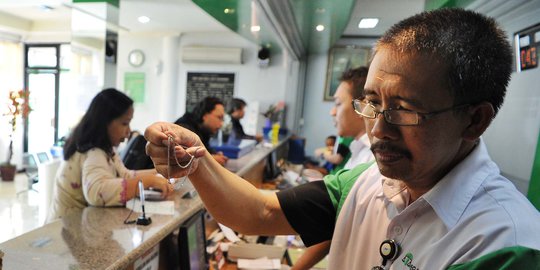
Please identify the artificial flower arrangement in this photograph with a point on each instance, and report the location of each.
(18, 107)
(275, 112)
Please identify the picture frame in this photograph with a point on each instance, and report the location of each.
(341, 58)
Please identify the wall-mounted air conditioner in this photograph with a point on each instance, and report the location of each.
(212, 55)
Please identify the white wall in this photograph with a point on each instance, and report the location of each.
(265, 85)
(150, 110)
(513, 135)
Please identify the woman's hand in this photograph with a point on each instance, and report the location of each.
(184, 145)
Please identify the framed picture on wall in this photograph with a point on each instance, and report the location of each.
(340, 59)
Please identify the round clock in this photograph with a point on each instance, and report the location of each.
(136, 58)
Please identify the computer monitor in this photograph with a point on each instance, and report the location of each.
(42, 157)
(192, 244)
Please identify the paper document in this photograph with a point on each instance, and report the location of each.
(229, 233)
(151, 207)
(261, 263)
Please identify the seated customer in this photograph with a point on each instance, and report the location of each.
(236, 109)
(205, 120)
(92, 173)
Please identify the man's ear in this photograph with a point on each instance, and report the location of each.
(480, 116)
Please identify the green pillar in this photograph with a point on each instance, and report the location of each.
(534, 185)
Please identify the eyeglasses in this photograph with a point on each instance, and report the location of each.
(399, 117)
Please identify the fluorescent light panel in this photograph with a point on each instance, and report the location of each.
(368, 23)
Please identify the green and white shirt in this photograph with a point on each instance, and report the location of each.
(472, 219)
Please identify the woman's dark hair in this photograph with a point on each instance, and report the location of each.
(235, 104)
(92, 130)
(205, 106)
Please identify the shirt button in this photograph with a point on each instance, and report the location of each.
(398, 230)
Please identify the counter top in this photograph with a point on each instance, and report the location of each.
(97, 238)
(93, 238)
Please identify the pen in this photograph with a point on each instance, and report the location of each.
(141, 194)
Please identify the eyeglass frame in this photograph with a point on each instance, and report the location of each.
(419, 115)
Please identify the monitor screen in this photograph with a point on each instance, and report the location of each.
(42, 157)
(192, 244)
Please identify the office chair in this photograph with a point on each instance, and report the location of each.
(30, 168)
(134, 155)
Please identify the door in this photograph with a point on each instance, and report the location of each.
(42, 70)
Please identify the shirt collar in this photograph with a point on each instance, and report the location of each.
(451, 195)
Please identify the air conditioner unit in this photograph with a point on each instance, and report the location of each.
(212, 55)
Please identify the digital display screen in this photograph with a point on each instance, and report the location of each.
(528, 48)
(528, 57)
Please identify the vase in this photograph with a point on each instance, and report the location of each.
(8, 172)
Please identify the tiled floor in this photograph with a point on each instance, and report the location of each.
(21, 210)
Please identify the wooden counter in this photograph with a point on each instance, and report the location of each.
(97, 238)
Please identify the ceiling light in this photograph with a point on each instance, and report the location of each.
(228, 11)
(143, 19)
(320, 27)
(255, 28)
(368, 23)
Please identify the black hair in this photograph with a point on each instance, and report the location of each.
(332, 137)
(205, 106)
(476, 52)
(235, 104)
(92, 130)
(357, 78)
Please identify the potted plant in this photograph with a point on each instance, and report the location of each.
(17, 108)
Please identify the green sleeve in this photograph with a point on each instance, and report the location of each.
(346, 141)
(509, 258)
(339, 184)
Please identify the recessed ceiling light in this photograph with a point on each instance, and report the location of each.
(228, 11)
(143, 19)
(320, 27)
(368, 22)
(255, 28)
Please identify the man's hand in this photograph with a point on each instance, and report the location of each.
(185, 144)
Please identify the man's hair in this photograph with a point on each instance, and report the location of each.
(205, 106)
(475, 50)
(92, 130)
(357, 78)
(332, 137)
(235, 104)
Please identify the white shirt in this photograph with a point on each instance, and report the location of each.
(360, 152)
(472, 211)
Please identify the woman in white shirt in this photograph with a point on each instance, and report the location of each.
(92, 173)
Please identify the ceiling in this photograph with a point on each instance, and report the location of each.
(183, 16)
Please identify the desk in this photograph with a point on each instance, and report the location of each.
(251, 166)
(97, 238)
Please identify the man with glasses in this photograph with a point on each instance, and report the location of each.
(434, 199)
(205, 120)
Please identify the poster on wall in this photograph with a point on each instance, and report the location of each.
(134, 85)
(339, 60)
(204, 84)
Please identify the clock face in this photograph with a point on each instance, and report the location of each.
(136, 58)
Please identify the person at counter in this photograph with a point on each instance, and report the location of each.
(434, 199)
(349, 124)
(205, 120)
(92, 173)
(236, 110)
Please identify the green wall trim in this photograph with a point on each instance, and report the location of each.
(115, 3)
(435, 4)
(534, 184)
